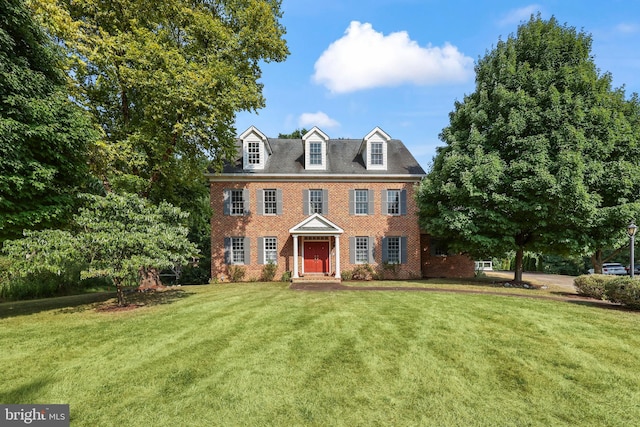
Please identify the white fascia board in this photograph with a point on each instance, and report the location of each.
(230, 177)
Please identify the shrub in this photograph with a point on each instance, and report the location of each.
(236, 273)
(362, 272)
(346, 274)
(268, 271)
(624, 290)
(286, 276)
(592, 285)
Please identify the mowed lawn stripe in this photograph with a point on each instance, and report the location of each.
(261, 354)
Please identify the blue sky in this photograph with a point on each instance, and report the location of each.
(401, 64)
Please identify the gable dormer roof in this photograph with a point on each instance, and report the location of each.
(261, 136)
(315, 149)
(255, 149)
(317, 132)
(374, 149)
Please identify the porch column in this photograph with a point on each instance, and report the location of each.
(295, 256)
(337, 237)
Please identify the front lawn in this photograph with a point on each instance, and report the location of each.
(261, 354)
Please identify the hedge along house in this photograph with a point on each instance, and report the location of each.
(316, 207)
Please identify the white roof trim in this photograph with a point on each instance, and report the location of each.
(382, 133)
(316, 224)
(317, 130)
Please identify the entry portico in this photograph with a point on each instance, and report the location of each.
(319, 240)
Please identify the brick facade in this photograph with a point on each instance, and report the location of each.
(445, 265)
(241, 231)
(254, 225)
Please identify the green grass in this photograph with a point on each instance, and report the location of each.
(261, 354)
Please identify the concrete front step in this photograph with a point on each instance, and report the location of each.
(316, 279)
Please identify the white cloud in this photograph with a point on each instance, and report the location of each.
(518, 15)
(627, 28)
(364, 58)
(320, 119)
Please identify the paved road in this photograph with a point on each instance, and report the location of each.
(563, 282)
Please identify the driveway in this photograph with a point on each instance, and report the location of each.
(562, 282)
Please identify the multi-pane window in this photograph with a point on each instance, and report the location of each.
(270, 202)
(315, 153)
(393, 250)
(253, 153)
(362, 250)
(237, 250)
(376, 153)
(270, 250)
(362, 202)
(237, 202)
(315, 201)
(393, 202)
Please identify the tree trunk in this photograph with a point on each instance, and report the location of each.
(120, 294)
(518, 268)
(596, 261)
(149, 279)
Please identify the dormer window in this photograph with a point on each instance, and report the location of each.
(377, 158)
(315, 149)
(374, 149)
(315, 153)
(255, 149)
(253, 153)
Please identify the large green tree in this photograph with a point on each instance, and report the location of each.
(165, 79)
(43, 135)
(525, 162)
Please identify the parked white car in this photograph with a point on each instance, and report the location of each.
(612, 268)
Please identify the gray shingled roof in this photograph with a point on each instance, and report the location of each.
(343, 157)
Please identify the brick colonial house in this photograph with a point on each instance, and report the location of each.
(317, 207)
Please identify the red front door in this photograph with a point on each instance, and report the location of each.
(316, 257)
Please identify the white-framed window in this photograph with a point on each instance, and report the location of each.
(393, 202)
(237, 250)
(270, 202)
(362, 250)
(315, 153)
(270, 250)
(362, 202)
(315, 201)
(393, 250)
(377, 153)
(237, 202)
(253, 153)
